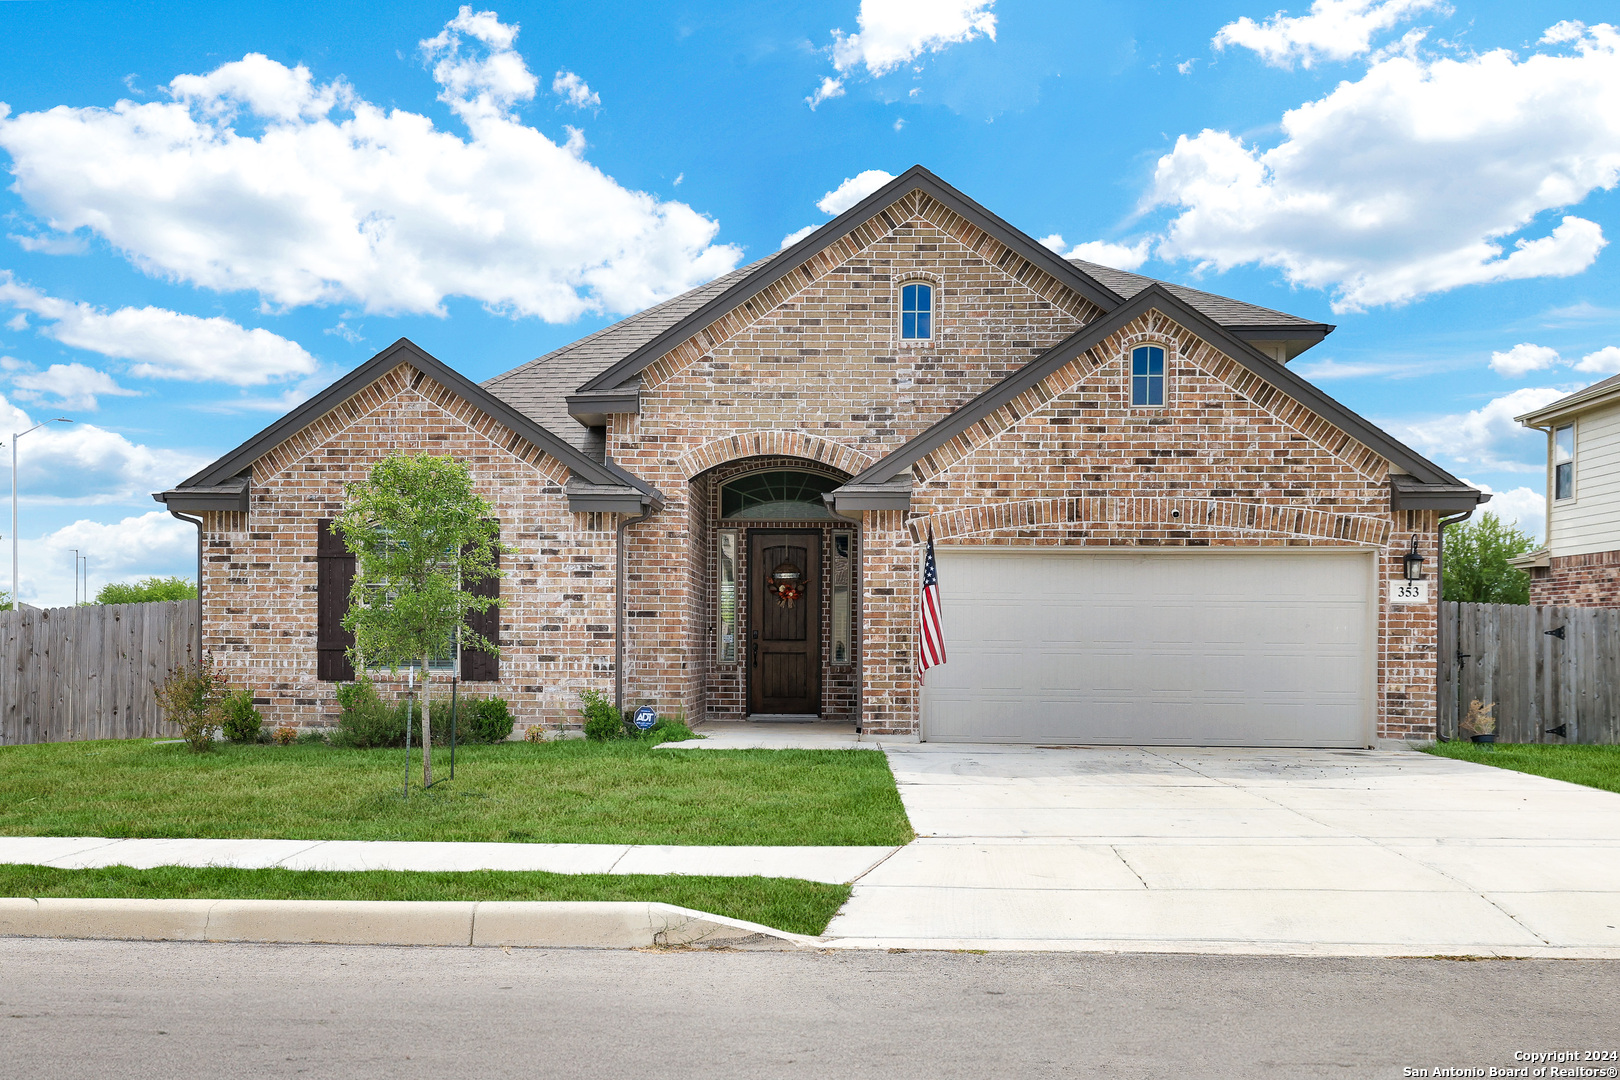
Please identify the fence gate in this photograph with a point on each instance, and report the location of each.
(1544, 667)
(89, 672)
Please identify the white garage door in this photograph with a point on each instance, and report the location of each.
(1239, 649)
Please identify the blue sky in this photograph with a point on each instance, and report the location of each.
(212, 211)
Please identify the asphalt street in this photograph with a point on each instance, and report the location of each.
(158, 1010)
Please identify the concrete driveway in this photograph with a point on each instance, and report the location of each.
(1245, 851)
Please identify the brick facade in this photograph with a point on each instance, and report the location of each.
(259, 567)
(811, 373)
(1590, 580)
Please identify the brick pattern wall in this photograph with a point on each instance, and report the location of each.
(1589, 580)
(813, 368)
(259, 575)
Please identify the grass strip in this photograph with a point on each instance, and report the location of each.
(1592, 766)
(570, 792)
(801, 907)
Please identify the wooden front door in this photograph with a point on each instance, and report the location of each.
(784, 639)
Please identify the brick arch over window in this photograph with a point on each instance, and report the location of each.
(796, 444)
(1061, 515)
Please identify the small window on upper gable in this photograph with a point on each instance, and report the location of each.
(1147, 376)
(916, 312)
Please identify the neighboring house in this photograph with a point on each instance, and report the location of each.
(1580, 564)
(1149, 529)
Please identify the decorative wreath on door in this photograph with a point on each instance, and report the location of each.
(786, 583)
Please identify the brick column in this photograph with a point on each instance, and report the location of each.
(888, 601)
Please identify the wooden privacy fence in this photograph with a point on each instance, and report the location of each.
(88, 672)
(1544, 667)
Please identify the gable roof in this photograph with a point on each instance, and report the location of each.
(767, 272)
(225, 473)
(540, 388)
(1249, 321)
(1599, 393)
(891, 470)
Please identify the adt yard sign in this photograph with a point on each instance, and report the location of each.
(645, 718)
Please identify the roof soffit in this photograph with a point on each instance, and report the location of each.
(1020, 254)
(1156, 299)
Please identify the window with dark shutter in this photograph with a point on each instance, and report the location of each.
(334, 575)
(476, 664)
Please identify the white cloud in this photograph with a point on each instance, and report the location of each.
(1329, 368)
(1186, 66)
(319, 196)
(66, 386)
(1522, 359)
(82, 464)
(1119, 256)
(852, 191)
(1334, 30)
(1605, 361)
(799, 234)
(1487, 437)
(164, 344)
(51, 244)
(895, 32)
(1107, 253)
(1409, 180)
(830, 88)
(149, 545)
(572, 89)
(1521, 505)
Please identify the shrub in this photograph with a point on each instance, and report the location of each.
(238, 716)
(602, 719)
(285, 735)
(366, 721)
(150, 590)
(192, 697)
(672, 729)
(484, 720)
(310, 738)
(535, 733)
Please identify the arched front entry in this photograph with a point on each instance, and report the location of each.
(780, 574)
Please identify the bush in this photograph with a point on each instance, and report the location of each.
(285, 735)
(193, 698)
(238, 716)
(146, 591)
(672, 729)
(478, 720)
(366, 722)
(602, 719)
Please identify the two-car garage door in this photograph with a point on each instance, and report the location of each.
(1184, 648)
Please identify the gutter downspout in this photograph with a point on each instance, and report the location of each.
(198, 522)
(1440, 585)
(618, 609)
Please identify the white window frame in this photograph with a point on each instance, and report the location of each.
(936, 295)
(1131, 377)
(1554, 463)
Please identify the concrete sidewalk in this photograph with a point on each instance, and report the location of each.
(1240, 851)
(836, 865)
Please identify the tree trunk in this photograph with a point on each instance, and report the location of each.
(427, 729)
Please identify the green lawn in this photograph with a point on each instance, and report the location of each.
(571, 791)
(1594, 766)
(802, 907)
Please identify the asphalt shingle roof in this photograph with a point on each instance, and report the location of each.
(540, 388)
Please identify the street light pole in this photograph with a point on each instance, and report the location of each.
(16, 604)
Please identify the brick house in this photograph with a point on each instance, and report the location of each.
(1580, 564)
(1149, 529)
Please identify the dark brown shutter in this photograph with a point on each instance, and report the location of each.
(334, 574)
(476, 664)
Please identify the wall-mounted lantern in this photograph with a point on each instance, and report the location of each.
(1413, 562)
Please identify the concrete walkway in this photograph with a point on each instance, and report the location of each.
(767, 735)
(831, 864)
(1243, 851)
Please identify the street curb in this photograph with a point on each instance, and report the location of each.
(537, 924)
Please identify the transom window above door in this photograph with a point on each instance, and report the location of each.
(777, 495)
(1147, 375)
(916, 311)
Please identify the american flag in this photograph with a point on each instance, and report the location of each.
(930, 635)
